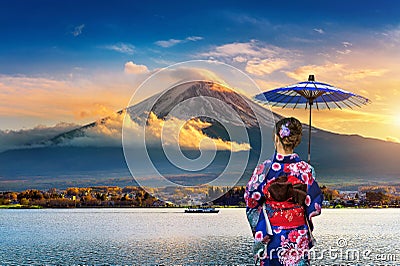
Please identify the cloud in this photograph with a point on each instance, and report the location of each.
(168, 43)
(260, 58)
(124, 48)
(78, 30)
(97, 110)
(183, 74)
(266, 66)
(194, 38)
(246, 50)
(358, 74)
(188, 134)
(347, 44)
(320, 31)
(172, 42)
(334, 72)
(24, 138)
(346, 121)
(106, 133)
(160, 61)
(346, 51)
(392, 35)
(28, 101)
(132, 68)
(239, 59)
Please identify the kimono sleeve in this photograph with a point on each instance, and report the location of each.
(314, 199)
(254, 197)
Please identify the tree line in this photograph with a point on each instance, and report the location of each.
(133, 196)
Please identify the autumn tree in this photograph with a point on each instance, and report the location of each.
(329, 194)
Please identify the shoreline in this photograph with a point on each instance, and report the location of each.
(19, 207)
(219, 197)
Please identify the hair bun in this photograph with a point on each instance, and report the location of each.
(289, 130)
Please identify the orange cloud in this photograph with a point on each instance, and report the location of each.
(132, 68)
(24, 98)
(245, 50)
(362, 121)
(188, 134)
(96, 110)
(266, 66)
(333, 72)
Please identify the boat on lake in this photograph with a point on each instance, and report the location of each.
(201, 210)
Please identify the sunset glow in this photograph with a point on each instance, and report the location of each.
(90, 69)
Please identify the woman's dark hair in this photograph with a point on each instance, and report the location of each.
(289, 131)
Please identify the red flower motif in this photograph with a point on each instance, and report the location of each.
(308, 200)
(279, 157)
(259, 169)
(252, 203)
(276, 167)
(290, 255)
(286, 168)
(293, 169)
(307, 178)
(256, 195)
(259, 236)
(302, 242)
(293, 235)
(303, 167)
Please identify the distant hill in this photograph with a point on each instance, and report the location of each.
(60, 162)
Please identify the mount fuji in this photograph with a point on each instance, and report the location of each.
(91, 155)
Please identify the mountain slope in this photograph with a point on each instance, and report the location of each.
(337, 158)
(196, 96)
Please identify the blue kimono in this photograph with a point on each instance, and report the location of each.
(281, 198)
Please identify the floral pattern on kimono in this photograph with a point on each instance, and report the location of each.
(282, 230)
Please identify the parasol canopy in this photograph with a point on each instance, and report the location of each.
(306, 94)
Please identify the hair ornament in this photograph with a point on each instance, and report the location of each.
(284, 131)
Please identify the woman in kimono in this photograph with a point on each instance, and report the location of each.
(281, 197)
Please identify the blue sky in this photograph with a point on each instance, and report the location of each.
(68, 61)
(49, 37)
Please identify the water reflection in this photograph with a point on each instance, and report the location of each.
(171, 237)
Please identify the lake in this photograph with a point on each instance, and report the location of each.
(172, 237)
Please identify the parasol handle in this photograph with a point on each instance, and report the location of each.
(309, 134)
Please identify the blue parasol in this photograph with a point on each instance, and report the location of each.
(306, 94)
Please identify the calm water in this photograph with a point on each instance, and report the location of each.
(171, 237)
